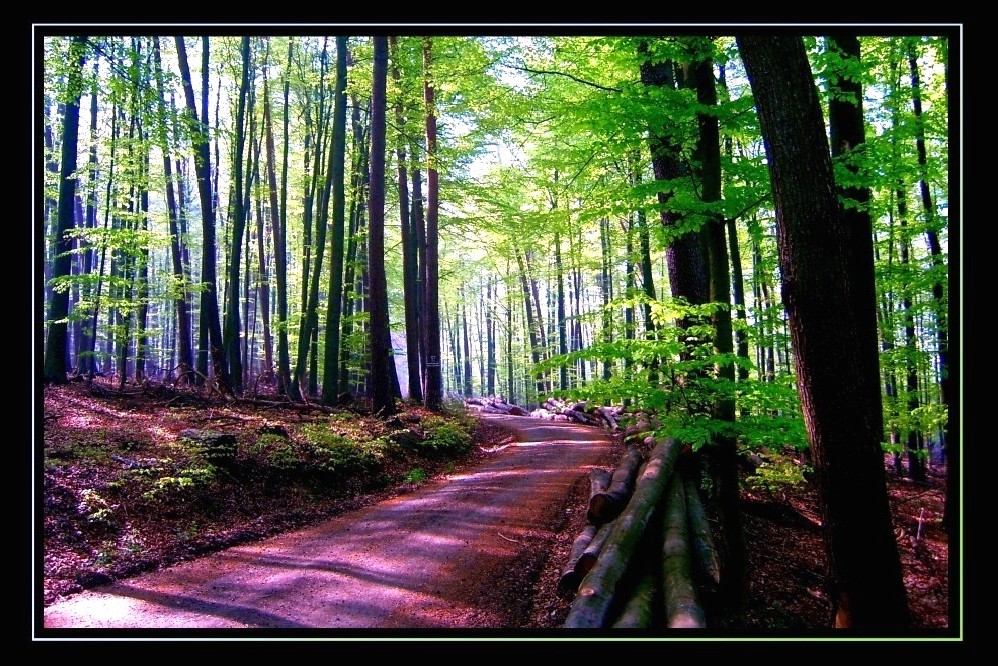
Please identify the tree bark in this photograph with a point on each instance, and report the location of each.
(56, 344)
(202, 167)
(607, 505)
(831, 356)
(381, 354)
(330, 374)
(432, 396)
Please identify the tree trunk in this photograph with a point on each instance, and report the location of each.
(831, 357)
(383, 402)
(202, 167)
(431, 393)
(723, 452)
(56, 347)
(330, 374)
(280, 233)
(410, 266)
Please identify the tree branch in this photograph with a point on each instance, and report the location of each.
(571, 76)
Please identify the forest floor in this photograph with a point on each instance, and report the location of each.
(118, 499)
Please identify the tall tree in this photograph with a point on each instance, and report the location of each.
(330, 376)
(431, 392)
(202, 169)
(848, 143)
(56, 345)
(381, 354)
(831, 360)
(410, 267)
(231, 331)
(181, 304)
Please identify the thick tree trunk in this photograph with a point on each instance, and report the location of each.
(185, 359)
(383, 402)
(831, 356)
(723, 452)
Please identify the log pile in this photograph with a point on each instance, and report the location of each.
(494, 406)
(554, 409)
(642, 559)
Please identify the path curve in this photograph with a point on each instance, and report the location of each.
(429, 559)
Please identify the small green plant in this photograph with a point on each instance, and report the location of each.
(96, 508)
(339, 458)
(417, 475)
(171, 487)
(277, 451)
(776, 473)
(446, 441)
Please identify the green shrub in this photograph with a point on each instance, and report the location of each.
(417, 475)
(338, 458)
(446, 441)
(277, 451)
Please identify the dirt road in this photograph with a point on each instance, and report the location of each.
(445, 556)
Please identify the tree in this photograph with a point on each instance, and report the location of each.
(381, 353)
(831, 361)
(202, 168)
(56, 346)
(330, 377)
(433, 381)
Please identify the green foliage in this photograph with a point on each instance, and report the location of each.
(337, 458)
(446, 441)
(415, 475)
(181, 485)
(277, 451)
(776, 471)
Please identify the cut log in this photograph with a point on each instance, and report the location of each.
(703, 550)
(591, 553)
(578, 417)
(639, 609)
(608, 416)
(599, 481)
(569, 581)
(607, 505)
(682, 610)
(596, 592)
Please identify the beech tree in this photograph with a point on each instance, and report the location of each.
(832, 360)
(56, 347)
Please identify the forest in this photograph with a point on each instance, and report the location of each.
(745, 235)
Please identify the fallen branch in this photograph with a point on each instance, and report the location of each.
(701, 537)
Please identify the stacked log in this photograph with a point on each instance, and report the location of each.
(656, 551)
(555, 409)
(595, 599)
(494, 406)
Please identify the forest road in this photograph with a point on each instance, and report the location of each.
(439, 557)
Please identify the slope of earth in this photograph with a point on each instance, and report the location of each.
(93, 437)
